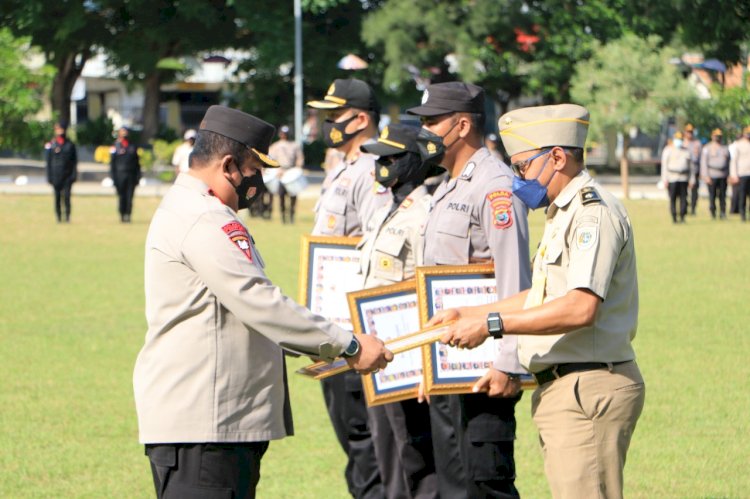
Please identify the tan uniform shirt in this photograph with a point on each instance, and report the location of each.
(715, 161)
(350, 199)
(392, 245)
(476, 217)
(211, 369)
(287, 153)
(675, 165)
(585, 246)
(740, 165)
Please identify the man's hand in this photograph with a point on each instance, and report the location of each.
(422, 396)
(734, 180)
(469, 332)
(497, 384)
(443, 316)
(372, 355)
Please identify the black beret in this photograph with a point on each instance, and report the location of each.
(246, 129)
(450, 97)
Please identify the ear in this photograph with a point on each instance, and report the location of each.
(226, 160)
(559, 157)
(464, 126)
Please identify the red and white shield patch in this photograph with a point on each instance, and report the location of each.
(501, 204)
(239, 236)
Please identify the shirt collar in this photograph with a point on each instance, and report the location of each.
(569, 191)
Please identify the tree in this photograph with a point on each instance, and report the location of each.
(21, 91)
(630, 83)
(66, 32)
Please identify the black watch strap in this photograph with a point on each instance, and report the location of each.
(352, 349)
(495, 325)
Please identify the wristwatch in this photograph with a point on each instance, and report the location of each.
(495, 325)
(352, 349)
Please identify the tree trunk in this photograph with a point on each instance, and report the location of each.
(152, 86)
(68, 71)
(625, 166)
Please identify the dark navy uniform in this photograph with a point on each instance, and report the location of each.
(62, 171)
(125, 169)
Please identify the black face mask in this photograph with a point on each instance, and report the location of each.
(243, 200)
(334, 134)
(399, 169)
(431, 146)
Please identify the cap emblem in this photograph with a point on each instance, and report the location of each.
(331, 89)
(508, 120)
(425, 97)
(384, 133)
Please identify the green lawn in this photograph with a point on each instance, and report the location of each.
(72, 322)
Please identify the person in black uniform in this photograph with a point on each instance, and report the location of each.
(125, 169)
(62, 169)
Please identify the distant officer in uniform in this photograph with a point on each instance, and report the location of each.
(348, 202)
(125, 169)
(693, 146)
(391, 250)
(210, 384)
(739, 171)
(474, 218)
(676, 173)
(181, 156)
(714, 171)
(578, 320)
(62, 169)
(289, 155)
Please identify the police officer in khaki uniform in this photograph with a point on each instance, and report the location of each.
(739, 171)
(289, 154)
(693, 146)
(210, 386)
(714, 171)
(391, 250)
(474, 218)
(349, 200)
(676, 174)
(578, 320)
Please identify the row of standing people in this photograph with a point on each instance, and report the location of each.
(462, 445)
(685, 162)
(62, 171)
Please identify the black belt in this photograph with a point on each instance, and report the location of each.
(560, 370)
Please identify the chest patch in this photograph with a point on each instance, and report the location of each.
(501, 204)
(239, 236)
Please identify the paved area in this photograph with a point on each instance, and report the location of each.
(24, 176)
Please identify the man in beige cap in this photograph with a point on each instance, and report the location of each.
(210, 384)
(714, 171)
(739, 170)
(577, 321)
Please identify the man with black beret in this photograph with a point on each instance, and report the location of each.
(349, 199)
(210, 385)
(125, 169)
(474, 218)
(62, 169)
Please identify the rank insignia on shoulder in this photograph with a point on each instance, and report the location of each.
(589, 196)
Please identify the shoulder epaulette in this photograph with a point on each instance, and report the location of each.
(589, 196)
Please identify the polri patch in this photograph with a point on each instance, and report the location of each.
(501, 203)
(239, 236)
(586, 237)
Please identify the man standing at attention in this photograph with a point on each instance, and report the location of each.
(210, 383)
(576, 324)
(348, 202)
(474, 218)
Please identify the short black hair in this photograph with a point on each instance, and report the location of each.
(477, 122)
(576, 153)
(209, 145)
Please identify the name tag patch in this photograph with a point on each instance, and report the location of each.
(239, 236)
(501, 204)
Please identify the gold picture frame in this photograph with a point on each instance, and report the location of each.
(449, 370)
(329, 268)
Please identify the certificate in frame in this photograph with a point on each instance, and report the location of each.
(449, 370)
(389, 312)
(329, 269)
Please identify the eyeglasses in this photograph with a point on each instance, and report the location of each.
(519, 167)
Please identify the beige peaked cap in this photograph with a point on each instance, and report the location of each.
(530, 128)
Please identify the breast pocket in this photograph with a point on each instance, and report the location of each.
(552, 268)
(334, 212)
(388, 259)
(452, 234)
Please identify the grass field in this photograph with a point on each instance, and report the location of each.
(72, 322)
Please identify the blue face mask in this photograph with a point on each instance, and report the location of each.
(530, 191)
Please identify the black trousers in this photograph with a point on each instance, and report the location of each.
(125, 191)
(346, 408)
(473, 438)
(694, 189)
(62, 199)
(206, 471)
(717, 189)
(744, 193)
(403, 446)
(678, 190)
(282, 204)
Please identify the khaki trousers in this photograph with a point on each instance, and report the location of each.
(586, 420)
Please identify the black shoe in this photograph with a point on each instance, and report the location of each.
(723, 216)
